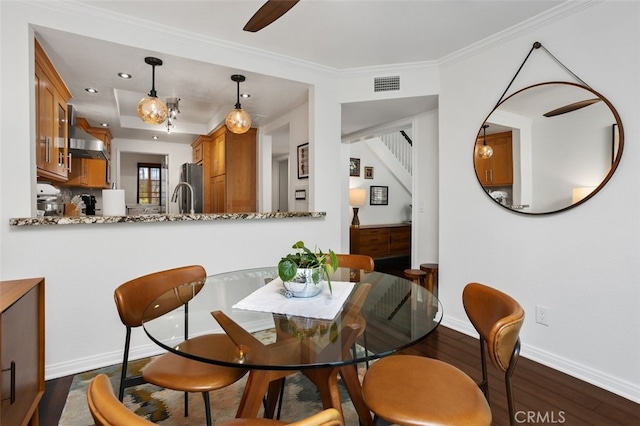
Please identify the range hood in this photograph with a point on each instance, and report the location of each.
(81, 143)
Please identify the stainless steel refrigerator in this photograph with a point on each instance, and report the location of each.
(192, 174)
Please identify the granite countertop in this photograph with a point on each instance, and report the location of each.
(155, 218)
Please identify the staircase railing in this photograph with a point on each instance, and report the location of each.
(400, 145)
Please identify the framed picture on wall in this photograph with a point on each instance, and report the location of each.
(368, 172)
(354, 167)
(379, 195)
(303, 161)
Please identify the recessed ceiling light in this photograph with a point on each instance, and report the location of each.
(91, 90)
(154, 137)
(245, 95)
(124, 75)
(104, 124)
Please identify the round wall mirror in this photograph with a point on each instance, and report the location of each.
(548, 147)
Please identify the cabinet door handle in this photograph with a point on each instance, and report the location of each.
(12, 393)
(69, 163)
(47, 143)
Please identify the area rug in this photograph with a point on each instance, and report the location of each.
(166, 407)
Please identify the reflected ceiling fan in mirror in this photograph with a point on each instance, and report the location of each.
(268, 13)
(571, 107)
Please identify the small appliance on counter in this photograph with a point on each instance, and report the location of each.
(49, 200)
(89, 203)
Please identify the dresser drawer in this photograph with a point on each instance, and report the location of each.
(400, 240)
(373, 236)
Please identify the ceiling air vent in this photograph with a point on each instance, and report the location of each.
(384, 84)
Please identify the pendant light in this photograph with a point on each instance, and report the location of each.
(485, 151)
(151, 109)
(238, 121)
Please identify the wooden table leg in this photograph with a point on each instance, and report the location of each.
(326, 380)
(354, 389)
(256, 388)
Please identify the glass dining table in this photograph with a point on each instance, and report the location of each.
(367, 315)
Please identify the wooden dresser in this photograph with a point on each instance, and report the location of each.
(21, 350)
(380, 241)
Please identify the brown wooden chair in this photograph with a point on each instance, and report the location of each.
(172, 371)
(415, 390)
(356, 261)
(107, 410)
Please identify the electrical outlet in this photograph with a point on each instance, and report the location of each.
(542, 315)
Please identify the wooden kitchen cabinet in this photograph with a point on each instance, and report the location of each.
(228, 170)
(88, 173)
(196, 149)
(21, 350)
(498, 169)
(52, 146)
(381, 241)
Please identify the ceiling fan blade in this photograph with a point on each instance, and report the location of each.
(571, 107)
(269, 12)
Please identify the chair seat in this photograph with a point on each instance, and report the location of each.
(180, 373)
(415, 390)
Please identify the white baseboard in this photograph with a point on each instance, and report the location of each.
(62, 369)
(597, 378)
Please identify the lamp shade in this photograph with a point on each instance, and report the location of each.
(357, 197)
(579, 193)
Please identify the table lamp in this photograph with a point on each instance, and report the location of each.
(357, 198)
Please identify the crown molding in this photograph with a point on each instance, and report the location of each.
(86, 11)
(544, 19)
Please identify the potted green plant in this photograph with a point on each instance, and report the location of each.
(302, 270)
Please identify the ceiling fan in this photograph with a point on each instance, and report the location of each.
(571, 107)
(268, 13)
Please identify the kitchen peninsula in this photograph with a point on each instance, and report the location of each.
(155, 218)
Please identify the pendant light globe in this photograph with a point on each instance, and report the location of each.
(152, 110)
(238, 121)
(485, 151)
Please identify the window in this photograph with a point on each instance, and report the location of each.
(149, 183)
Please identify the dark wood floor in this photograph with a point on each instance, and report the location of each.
(545, 395)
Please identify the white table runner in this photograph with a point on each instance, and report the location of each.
(271, 298)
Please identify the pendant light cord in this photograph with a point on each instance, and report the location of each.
(238, 106)
(153, 93)
(535, 46)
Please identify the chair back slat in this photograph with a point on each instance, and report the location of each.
(356, 261)
(498, 319)
(133, 297)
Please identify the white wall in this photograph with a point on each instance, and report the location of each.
(583, 264)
